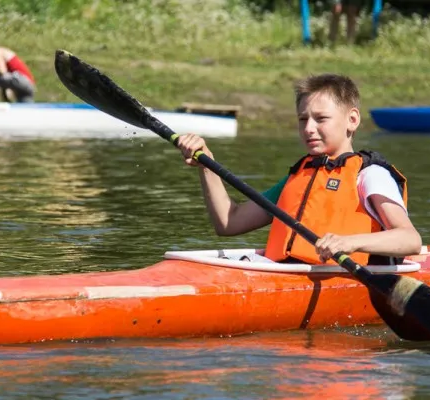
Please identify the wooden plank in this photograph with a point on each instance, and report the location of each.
(212, 109)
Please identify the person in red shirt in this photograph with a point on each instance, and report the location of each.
(16, 81)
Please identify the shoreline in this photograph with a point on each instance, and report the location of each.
(166, 61)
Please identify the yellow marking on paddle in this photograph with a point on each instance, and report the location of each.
(174, 137)
(342, 258)
(197, 154)
(402, 293)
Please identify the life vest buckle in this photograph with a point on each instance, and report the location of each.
(325, 160)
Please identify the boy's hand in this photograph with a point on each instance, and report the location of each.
(189, 144)
(330, 244)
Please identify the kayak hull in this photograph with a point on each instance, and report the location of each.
(402, 119)
(68, 120)
(177, 298)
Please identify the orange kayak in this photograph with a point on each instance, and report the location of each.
(188, 295)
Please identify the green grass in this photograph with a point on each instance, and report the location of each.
(166, 52)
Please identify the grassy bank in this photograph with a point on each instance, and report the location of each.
(168, 52)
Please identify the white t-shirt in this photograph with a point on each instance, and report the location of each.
(377, 180)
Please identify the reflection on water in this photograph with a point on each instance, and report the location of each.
(305, 364)
(98, 205)
(84, 205)
(93, 205)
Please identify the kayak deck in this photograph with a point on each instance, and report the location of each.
(178, 298)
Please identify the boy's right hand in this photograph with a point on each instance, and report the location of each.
(189, 144)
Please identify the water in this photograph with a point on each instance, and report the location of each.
(94, 205)
(305, 364)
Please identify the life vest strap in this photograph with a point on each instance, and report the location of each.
(330, 165)
(368, 157)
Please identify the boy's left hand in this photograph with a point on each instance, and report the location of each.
(330, 244)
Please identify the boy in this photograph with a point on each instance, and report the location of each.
(355, 202)
(16, 80)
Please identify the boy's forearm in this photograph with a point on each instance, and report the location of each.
(397, 242)
(218, 202)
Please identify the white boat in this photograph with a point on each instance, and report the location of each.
(66, 120)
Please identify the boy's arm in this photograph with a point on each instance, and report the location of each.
(400, 237)
(398, 240)
(228, 217)
(238, 218)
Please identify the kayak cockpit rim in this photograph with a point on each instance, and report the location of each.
(229, 258)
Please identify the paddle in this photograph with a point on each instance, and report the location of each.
(402, 302)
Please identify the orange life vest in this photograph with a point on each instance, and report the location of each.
(322, 194)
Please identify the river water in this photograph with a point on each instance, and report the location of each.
(94, 205)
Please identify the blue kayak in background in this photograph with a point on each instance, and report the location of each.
(402, 119)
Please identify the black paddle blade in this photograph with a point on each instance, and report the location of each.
(403, 303)
(95, 88)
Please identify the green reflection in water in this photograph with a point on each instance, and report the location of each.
(84, 205)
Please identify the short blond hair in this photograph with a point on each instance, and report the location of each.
(341, 88)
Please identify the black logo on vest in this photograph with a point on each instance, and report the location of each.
(333, 184)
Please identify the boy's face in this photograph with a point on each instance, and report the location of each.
(325, 127)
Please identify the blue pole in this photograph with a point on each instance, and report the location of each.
(377, 7)
(306, 30)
